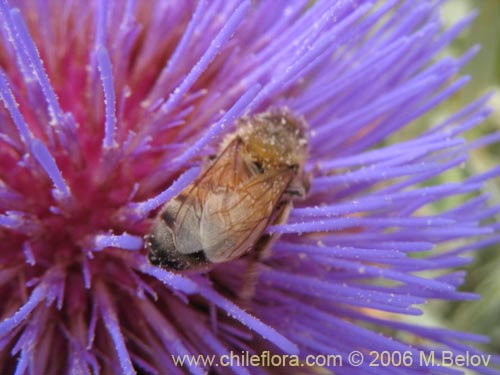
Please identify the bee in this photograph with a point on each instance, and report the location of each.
(250, 184)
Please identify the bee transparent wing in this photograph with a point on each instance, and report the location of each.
(220, 179)
(233, 221)
(186, 233)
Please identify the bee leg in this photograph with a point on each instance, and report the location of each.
(251, 273)
(261, 251)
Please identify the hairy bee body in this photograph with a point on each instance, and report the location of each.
(222, 215)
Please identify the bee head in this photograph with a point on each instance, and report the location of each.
(274, 139)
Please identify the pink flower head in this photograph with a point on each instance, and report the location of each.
(110, 109)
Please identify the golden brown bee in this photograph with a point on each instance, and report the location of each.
(251, 182)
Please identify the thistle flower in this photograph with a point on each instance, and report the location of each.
(111, 107)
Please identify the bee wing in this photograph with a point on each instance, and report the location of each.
(234, 220)
(220, 179)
